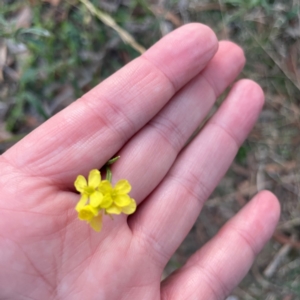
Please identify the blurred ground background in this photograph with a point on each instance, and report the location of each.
(53, 51)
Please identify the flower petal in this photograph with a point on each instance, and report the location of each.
(122, 200)
(80, 183)
(129, 209)
(96, 199)
(122, 187)
(114, 209)
(105, 187)
(81, 202)
(96, 223)
(87, 213)
(94, 178)
(106, 201)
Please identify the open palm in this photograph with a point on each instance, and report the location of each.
(145, 113)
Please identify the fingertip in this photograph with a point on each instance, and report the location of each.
(184, 52)
(225, 66)
(259, 218)
(269, 204)
(253, 90)
(240, 110)
(235, 50)
(247, 100)
(193, 37)
(199, 31)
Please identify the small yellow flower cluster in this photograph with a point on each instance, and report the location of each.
(99, 196)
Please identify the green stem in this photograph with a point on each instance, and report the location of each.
(113, 160)
(108, 173)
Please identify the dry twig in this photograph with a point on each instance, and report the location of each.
(283, 239)
(289, 224)
(277, 260)
(277, 63)
(167, 15)
(109, 21)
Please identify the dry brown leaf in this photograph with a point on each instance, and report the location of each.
(167, 15)
(4, 134)
(240, 199)
(288, 297)
(244, 185)
(277, 168)
(23, 18)
(283, 239)
(296, 140)
(53, 2)
(292, 61)
(240, 170)
(3, 56)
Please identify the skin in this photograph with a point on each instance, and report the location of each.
(145, 112)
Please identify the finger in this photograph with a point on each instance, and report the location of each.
(157, 145)
(166, 217)
(86, 134)
(214, 270)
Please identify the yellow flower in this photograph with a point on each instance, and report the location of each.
(116, 200)
(90, 214)
(89, 190)
(98, 197)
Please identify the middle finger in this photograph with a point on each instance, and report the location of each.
(148, 156)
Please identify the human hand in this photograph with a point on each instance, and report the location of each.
(145, 112)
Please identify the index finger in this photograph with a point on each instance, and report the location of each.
(87, 133)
